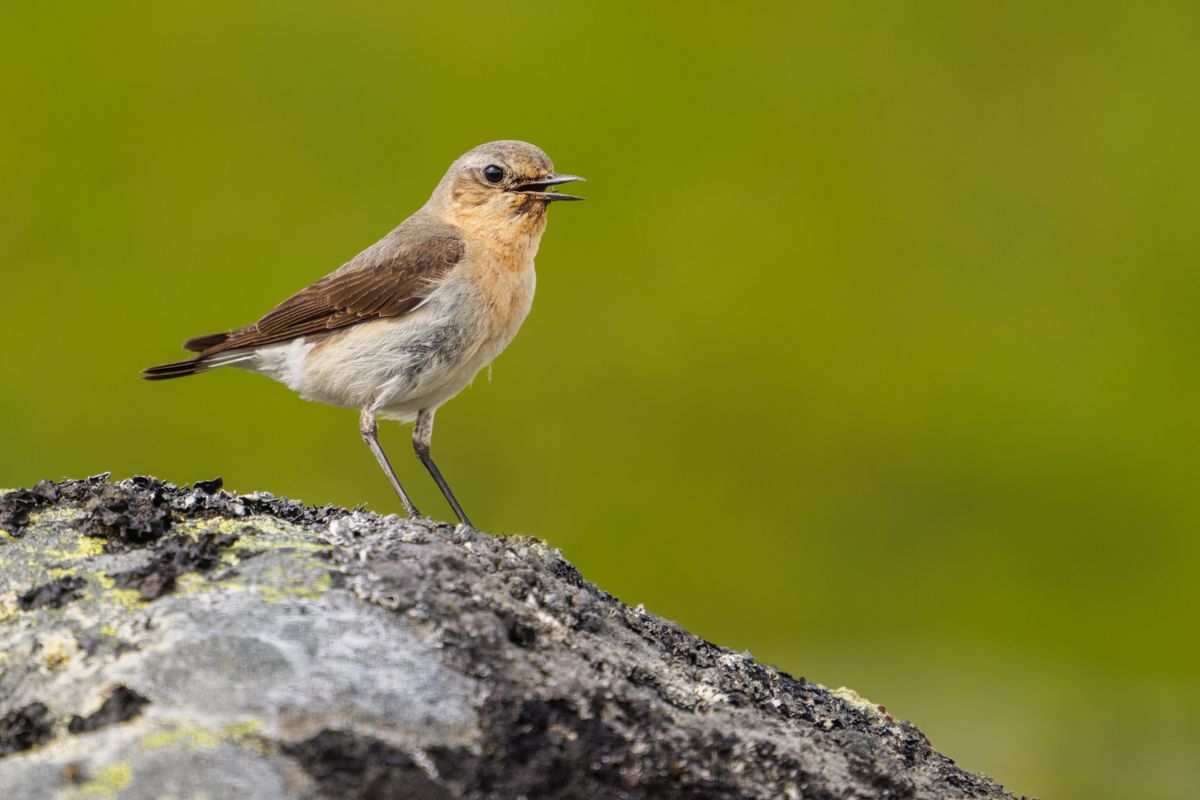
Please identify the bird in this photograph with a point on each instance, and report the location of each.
(406, 324)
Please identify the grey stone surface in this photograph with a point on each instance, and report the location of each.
(168, 642)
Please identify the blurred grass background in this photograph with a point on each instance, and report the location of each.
(873, 350)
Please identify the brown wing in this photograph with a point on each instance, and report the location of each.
(387, 280)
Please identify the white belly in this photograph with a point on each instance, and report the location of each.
(402, 365)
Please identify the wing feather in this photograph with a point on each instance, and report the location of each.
(388, 279)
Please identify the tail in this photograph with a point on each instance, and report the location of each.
(194, 366)
(178, 369)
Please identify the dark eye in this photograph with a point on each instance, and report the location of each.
(493, 173)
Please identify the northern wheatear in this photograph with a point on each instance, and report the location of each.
(408, 322)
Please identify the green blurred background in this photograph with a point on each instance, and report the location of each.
(873, 351)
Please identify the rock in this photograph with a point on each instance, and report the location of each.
(163, 641)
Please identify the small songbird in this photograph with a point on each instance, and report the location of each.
(407, 323)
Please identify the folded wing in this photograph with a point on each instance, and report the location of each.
(388, 279)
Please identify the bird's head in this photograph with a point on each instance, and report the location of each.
(505, 186)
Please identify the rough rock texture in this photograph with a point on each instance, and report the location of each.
(159, 641)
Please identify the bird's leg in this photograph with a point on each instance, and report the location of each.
(422, 439)
(369, 431)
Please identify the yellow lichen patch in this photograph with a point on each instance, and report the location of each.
(246, 734)
(193, 582)
(111, 780)
(190, 736)
(243, 734)
(130, 598)
(61, 572)
(302, 586)
(259, 523)
(229, 584)
(256, 532)
(88, 546)
(58, 650)
(189, 583)
(108, 630)
(85, 547)
(270, 525)
(54, 514)
(253, 542)
(8, 606)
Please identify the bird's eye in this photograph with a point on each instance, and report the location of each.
(493, 173)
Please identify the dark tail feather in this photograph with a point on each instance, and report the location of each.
(193, 366)
(176, 370)
(198, 344)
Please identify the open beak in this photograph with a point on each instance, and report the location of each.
(541, 188)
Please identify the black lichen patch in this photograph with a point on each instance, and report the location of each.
(55, 594)
(123, 518)
(16, 506)
(521, 633)
(25, 727)
(137, 511)
(546, 748)
(355, 767)
(121, 704)
(172, 558)
(209, 486)
(534, 748)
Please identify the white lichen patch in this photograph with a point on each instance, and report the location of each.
(523, 543)
(709, 695)
(58, 650)
(58, 513)
(8, 605)
(45, 555)
(856, 700)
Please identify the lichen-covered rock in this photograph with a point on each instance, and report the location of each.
(158, 641)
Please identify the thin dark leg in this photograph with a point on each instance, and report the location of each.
(422, 439)
(368, 429)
